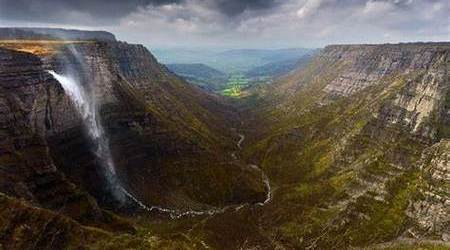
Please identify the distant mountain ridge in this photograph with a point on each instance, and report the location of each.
(229, 61)
(200, 74)
(278, 68)
(269, 55)
(203, 70)
(258, 65)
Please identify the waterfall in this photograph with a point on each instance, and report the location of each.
(80, 98)
(85, 105)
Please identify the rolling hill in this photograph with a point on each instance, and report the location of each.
(201, 75)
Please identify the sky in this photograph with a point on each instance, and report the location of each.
(240, 23)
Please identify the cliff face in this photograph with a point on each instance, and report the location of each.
(171, 142)
(19, 139)
(345, 140)
(29, 98)
(158, 125)
(368, 64)
(415, 75)
(422, 94)
(429, 212)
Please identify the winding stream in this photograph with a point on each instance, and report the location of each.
(175, 214)
(263, 174)
(86, 106)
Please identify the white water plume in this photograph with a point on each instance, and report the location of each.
(86, 107)
(80, 98)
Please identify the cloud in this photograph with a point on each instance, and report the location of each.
(99, 12)
(309, 8)
(236, 7)
(92, 12)
(241, 23)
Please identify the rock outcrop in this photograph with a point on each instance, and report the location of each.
(368, 64)
(54, 34)
(430, 212)
(27, 97)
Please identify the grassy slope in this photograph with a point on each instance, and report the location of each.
(23, 226)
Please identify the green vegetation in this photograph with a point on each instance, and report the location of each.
(210, 69)
(236, 83)
(387, 218)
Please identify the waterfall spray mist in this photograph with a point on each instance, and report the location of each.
(85, 105)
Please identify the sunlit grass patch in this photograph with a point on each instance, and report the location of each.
(36, 47)
(236, 83)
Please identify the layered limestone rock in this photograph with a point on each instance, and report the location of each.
(368, 64)
(430, 212)
(29, 100)
(24, 117)
(349, 152)
(342, 144)
(424, 67)
(413, 79)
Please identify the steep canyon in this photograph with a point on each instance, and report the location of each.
(354, 149)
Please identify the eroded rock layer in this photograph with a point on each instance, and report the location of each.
(345, 144)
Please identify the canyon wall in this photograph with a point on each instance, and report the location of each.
(171, 141)
(358, 138)
(28, 96)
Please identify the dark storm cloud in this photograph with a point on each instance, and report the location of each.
(241, 22)
(101, 12)
(236, 7)
(95, 11)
